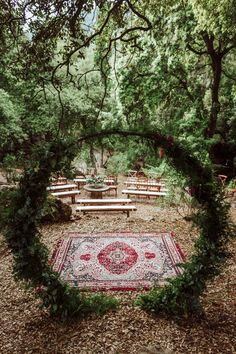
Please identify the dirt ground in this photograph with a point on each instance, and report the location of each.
(25, 328)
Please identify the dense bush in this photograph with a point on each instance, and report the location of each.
(55, 210)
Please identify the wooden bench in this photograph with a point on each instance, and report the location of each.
(80, 181)
(58, 181)
(66, 194)
(102, 201)
(165, 190)
(144, 184)
(62, 187)
(143, 193)
(106, 208)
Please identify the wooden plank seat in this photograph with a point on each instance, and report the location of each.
(148, 189)
(164, 190)
(111, 180)
(58, 180)
(106, 208)
(62, 187)
(81, 181)
(66, 194)
(103, 201)
(143, 193)
(146, 186)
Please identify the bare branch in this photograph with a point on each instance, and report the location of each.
(73, 20)
(68, 73)
(88, 40)
(120, 37)
(137, 13)
(114, 68)
(85, 74)
(62, 110)
(184, 85)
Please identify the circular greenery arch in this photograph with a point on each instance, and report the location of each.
(181, 296)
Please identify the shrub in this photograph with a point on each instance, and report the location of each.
(55, 210)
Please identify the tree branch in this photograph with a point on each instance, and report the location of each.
(137, 13)
(148, 135)
(88, 40)
(227, 50)
(229, 76)
(196, 51)
(184, 85)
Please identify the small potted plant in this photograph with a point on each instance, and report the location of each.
(95, 181)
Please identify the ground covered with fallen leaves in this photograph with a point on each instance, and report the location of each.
(25, 328)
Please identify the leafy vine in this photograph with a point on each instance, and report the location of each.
(30, 255)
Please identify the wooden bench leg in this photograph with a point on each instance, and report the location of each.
(127, 213)
(73, 199)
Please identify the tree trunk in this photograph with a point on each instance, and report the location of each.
(102, 156)
(215, 104)
(93, 158)
(216, 64)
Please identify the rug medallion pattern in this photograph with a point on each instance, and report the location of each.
(118, 261)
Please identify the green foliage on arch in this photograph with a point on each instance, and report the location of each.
(31, 262)
(181, 296)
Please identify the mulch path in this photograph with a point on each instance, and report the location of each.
(25, 328)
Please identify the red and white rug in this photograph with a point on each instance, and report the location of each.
(117, 260)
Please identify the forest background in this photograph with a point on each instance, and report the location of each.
(150, 67)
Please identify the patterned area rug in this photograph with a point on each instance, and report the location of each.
(117, 261)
